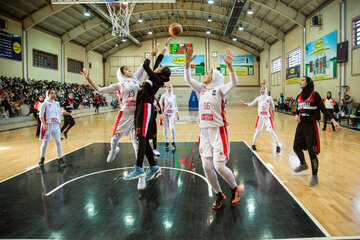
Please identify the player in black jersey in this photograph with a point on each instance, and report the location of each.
(143, 112)
(307, 136)
(69, 121)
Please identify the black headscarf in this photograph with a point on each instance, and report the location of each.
(306, 92)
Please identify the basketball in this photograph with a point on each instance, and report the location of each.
(175, 29)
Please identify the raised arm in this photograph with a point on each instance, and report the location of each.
(226, 88)
(253, 103)
(162, 53)
(138, 74)
(188, 79)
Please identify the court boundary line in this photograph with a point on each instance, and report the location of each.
(37, 165)
(119, 169)
(317, 223)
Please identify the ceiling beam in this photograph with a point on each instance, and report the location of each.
(214, 11)
(283, 10)
(42, 14)
(108, 19)
(205, 25)
(80, 29)
(188, 34)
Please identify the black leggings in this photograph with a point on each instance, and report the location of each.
(69, 122)
(331, 111)
(144, 149)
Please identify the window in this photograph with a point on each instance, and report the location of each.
(45, 60)
(356, 32)
(276, 65)
(75, 66)
(293, 58)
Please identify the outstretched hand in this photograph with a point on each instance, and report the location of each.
(229, 57)
(242, 102)
(167, 41)
(189, 57)
(155, 50)
(86, 73)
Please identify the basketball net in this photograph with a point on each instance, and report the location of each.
(120, 15)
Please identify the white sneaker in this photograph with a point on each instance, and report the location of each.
(112, 155)
(141, 183)
(156, 153)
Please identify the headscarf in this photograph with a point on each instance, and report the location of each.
(265, 95)
(306, 92)
(121, 77)
(171, 89)
(216, 80)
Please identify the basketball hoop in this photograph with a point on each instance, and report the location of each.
(120, 13)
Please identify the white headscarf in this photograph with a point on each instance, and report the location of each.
(171, 89)
(265, 95)
(121, 77)
(217, 79)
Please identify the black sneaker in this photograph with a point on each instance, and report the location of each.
(166, 146)
(253, 147)
(220, 198)
(278, 149)
(41, 162)
(61, 163)
(65, 134)
(173, 145)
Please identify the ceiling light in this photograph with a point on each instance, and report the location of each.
(241, 28)
(140, 20)
(150, 32)
(208, 32)
(116, 45)
(86, 13)
(209, 19)
(249, 11)
(210, 1)
(234, 39)
(125, 3)
(124, 39)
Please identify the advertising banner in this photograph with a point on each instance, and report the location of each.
(177, 63)
(242, 64)
(320, 57)
(10, 46)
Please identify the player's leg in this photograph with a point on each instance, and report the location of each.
(71, 122)
(299, 146)
(172, 130)
(270, 128)
(220, 141)
(312, 138)
(56, 135)
(165, 129)
(119, 124)
(258, 128)
(66, 124)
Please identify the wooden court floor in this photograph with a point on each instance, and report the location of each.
(335, 202)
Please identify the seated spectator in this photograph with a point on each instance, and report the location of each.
(347, 105)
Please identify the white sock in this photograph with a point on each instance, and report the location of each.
(166, 134)
(256, 134)
(43, 148)
(114, 142)
(172, 134)
(272, 133)
(226, 173)
(211, 174)
(58, 147)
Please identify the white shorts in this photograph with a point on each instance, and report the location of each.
(214, 142)
(124, 125)
(53, 132)
(264, 120)
(169, 121)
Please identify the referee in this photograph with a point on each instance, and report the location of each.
(307, 136)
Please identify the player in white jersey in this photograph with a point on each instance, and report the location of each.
(214, 142)
(127, 89)
(265, 117)
(169, 112)
(50, 117)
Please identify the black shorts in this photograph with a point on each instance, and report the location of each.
(143, 114)
(307, 136)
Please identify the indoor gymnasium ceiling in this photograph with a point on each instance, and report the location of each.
(270, 21)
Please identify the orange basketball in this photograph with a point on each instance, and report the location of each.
(175, 29)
